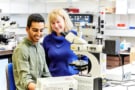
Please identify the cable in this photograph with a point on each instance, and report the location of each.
(122, 66)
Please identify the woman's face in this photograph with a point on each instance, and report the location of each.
(58, 25)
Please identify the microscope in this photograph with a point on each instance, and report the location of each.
(90, 81)
(96, 70)
(7, 38)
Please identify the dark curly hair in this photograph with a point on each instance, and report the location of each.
(34, 18)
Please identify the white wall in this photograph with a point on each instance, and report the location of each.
(29, 6)
(83, 5)
(20, 9)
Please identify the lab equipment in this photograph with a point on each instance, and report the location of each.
(91, 81)
(57, 83)
(88, 83)
(80, 47)
(7, 36)
(112, 47)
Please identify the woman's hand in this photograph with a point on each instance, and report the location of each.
(31, 86)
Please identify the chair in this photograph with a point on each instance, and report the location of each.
(10, 77)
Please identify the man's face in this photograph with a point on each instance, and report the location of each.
(35, 32)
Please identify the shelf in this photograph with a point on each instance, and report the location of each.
(131, 11)
(118, 24)
(58, 1)
(120, 33)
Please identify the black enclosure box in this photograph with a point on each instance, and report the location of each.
(112, 47)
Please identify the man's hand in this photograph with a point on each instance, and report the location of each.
(31, 86)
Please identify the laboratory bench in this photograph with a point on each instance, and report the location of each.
(125, 84)
(112, 60)
(6, 54)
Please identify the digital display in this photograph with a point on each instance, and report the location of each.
(83, 19)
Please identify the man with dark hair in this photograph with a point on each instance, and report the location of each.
(29, 57)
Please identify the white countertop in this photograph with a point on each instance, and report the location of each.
(123, 84)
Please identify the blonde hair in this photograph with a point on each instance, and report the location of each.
(59, 12)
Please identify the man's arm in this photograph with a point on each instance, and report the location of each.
(21, 68)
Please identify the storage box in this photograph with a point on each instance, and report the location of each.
(110, 10)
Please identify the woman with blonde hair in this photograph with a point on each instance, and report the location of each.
(57, 48)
